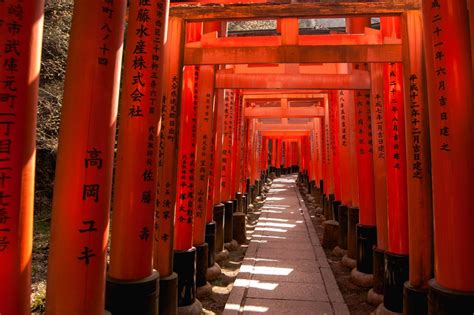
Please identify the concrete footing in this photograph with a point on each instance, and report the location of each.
(382, 310)
(348, 262)
(231, 246)
(193, 309)
(374, 298)
(361, 279)
(222, 256)
(204, 291)
(339, 252)
(213, 272)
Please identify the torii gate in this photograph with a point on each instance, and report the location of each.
(446, 82)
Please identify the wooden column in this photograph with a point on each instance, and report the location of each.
(451, 108)
(344, 101)
(379, 156)
(21, 27)
(203, 151)
(81, 204)
(396, 256)
(335, 145)
(168, 148)
(218, 125)
(135, 183)
(226, 171)
(420, 213)
(183, 235)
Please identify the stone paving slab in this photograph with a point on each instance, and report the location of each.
(285, 270)
(285, 307)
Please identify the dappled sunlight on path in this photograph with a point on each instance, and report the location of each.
(285, 270)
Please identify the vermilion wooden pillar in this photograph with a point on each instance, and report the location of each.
(183, 239)
(278, 152)
(344, 102)
(329, 181)
(20, 59)
(451, 108)
(237, 144)
(203, 236)
(219, 125)
(354, 26)
(135, 183)
(366, 229)
(186, 256)
(420, 214)
(168, 161)
(335, 150)
(205, 111)
(396, 256)
(380, 179)
(81, 204)
(226, 171)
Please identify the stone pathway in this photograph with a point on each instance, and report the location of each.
(285, 270)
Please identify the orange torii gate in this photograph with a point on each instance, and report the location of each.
(21, 29)
(394, 189)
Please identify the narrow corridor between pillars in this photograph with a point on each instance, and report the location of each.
(285, 270)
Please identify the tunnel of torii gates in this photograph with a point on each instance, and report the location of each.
(376, 122)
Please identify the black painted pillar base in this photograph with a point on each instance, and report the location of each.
(378, 269)
(415, 300)
(366, 241)
(331, 199)
(210, 239)
(396, 273)
(202, 253)
(133, 297)
(245, 203)
(239, 197)
(169, 295)
(335, 209)
(444, 301)
(352, 221)
(184, 264)
(228, 224)
(247, 185)
(219, 219)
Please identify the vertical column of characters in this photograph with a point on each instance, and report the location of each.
(334, 107)
(227, 146)
(134, 191)
(236, 144)
(396, 159)
(81, 203)
(170, 96)
(365, 159)
(329, 182)
(343, 144)
(219, 131)
(21, 25)
(203, 143)
(211, 156)
(449, 69)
